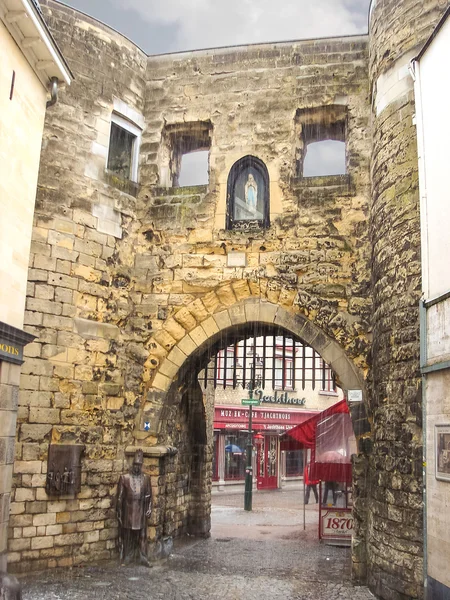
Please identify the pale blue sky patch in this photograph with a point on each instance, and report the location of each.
(175, 25)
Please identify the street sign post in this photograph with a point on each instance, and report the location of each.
(250, 402)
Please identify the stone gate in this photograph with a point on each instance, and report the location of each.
(132, 277)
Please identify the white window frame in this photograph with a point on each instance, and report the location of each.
(221, 365)
(328, 390)
(137, 133)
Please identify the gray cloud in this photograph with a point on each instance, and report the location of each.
(190, 24)
(152, 36)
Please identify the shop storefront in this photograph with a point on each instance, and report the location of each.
(270, 466)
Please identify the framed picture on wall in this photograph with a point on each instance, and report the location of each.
(442, 437)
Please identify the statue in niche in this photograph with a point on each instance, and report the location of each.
(248, 196)
(134, 505)
(251, 193)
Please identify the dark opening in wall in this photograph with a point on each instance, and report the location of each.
(322, 141)
(184, 159)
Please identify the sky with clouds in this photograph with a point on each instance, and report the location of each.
(170, 25)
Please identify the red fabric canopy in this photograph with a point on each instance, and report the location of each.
(329, 436)
(305, 433)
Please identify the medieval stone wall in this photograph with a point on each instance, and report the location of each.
(71, 388)
(126, 283)
(395, 536)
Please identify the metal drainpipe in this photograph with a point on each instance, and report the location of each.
(53, 92)
(423, 362)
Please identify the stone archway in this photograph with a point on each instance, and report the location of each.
(181, 418)
(194, 336)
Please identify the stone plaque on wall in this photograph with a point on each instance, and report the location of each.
(64, 469)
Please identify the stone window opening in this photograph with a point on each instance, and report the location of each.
(184, 157)
(123, 151)
(322, 149)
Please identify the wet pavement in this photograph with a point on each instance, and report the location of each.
(262, 555)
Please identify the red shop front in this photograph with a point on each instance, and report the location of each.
(231, 439)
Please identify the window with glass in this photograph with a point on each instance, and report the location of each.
(123, 152)
(215, 460)
(294, 463)
(284, 374)
(328, 380)
(235, 455)
(225, 366)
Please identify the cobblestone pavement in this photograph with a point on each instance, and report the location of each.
(237, 562)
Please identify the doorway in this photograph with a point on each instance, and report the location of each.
(267, 461)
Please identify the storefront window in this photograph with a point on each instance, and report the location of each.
(235, 455)
(294, 463)
(215, 463)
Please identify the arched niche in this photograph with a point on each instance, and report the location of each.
(248, 195)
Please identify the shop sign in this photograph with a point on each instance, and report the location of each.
(336, 524)
(10, 352)
(258, 426)
(12, 341)
(237, 418)
(278, 398)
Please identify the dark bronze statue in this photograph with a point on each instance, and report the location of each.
(9, 587)
(134, 505)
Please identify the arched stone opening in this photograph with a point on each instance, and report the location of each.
(185, 419)
(248, 195)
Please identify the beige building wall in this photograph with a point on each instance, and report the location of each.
(22, 112)
(24, 73)
(21, 127)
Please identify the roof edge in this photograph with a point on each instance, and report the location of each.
(436, 30)
(51, 62)
(196, 51)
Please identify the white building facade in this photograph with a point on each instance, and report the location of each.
(432, 89)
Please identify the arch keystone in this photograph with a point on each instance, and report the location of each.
(226, 295)
(290, 321)
(254, 287)
(174, 329)
(237, 314)
(187, 345)
(177, 356)
(347, 375)
(222, 319)
(198, 310)
(241, 289)
(185, 319)
(198, 335)
(169, 369)
(161, 382)
(211, 302)
(210, 327)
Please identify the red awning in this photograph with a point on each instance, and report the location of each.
(305, 433)
(329, 435)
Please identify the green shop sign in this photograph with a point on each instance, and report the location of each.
(279, 398)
